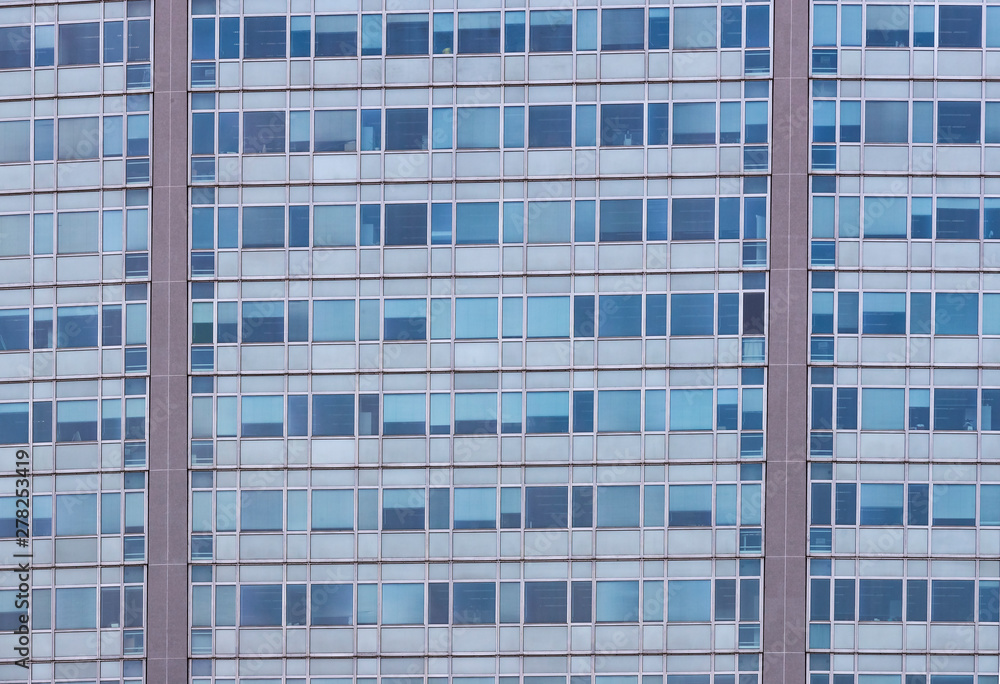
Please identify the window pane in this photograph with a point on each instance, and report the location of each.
(888, 26)
(622, 29)
(477, 223)
(886, 122)
(333, 509)
(618, 506)
(550, 125)
(79, 44)
(689, 600)
(621, 220)
(406, 129)
(337, 36)
(478, 32)
(264, 38)
(621, 124)
(264, 132)
(331, 604)
(478, 127)
(695, 28)
(545, 602)
(694, 123)
(76, 608)
(474, 603)
(406, 34)
(881, 409)
(551, 31)
(261, 510)
(958, 122)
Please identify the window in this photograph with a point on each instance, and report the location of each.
(15, 141)
(475, 507)
(692, 314)
(659, 28)
(882, 409)
(405, 319)
(693, 219)
(478, 128)
(263, 416)
(79, 44)
(404, 414)
(76, 326)
(546, 507)
(695, 28)
(620, 315)
(263, 322)
(548, 317)
(261, 510)
(545, 602)
(955, 409)
(621, 124)
(478, 32)
(953, 600)
(550, 125)
(337, 35)
(403, 509)
(621, 220)
(336, 131)
(694, 122)
(477, 223)
(547, 412)
(331, 604)
(474, 603)
(881, 504)
(618, 506)
(956, 313)
(880, 600)
(263, 227)
(617, 602)
(884, 313)
(476, 318)
(264, 132)
(333, 321)
(689, 506)
(886, 122)
(333, 415)
(885, 217)
(957, 218)
(548, 222)
(406, 129)
(15, 47)
(332, 509)
(76, 608)
(958, 122)
(689, 600)
(888, 26)
(78, 138)
(406, 34)
(551, 31)
(960, 26)
(264, 38)
(622, 29)
(954, 505)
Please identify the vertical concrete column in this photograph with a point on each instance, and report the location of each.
(167, 584)
(785, 524)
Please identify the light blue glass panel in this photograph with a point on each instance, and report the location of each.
(691, 409)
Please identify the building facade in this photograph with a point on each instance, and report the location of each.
(567, 342)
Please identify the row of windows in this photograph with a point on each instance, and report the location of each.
(544, 602)
(333, 415)
(79, 138)
(350, 130)
(884, 600)
(888, 121)
(884, 313)
(277, 37)
(884, 408)
(79, 514)
(475, 508)
(886, 217)
(958, 26)
(346, 320)
(473, 223)
(74, 232)
(75, 44)
(75, 421)
(74, 327)
(80, 607)
(943, 505)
